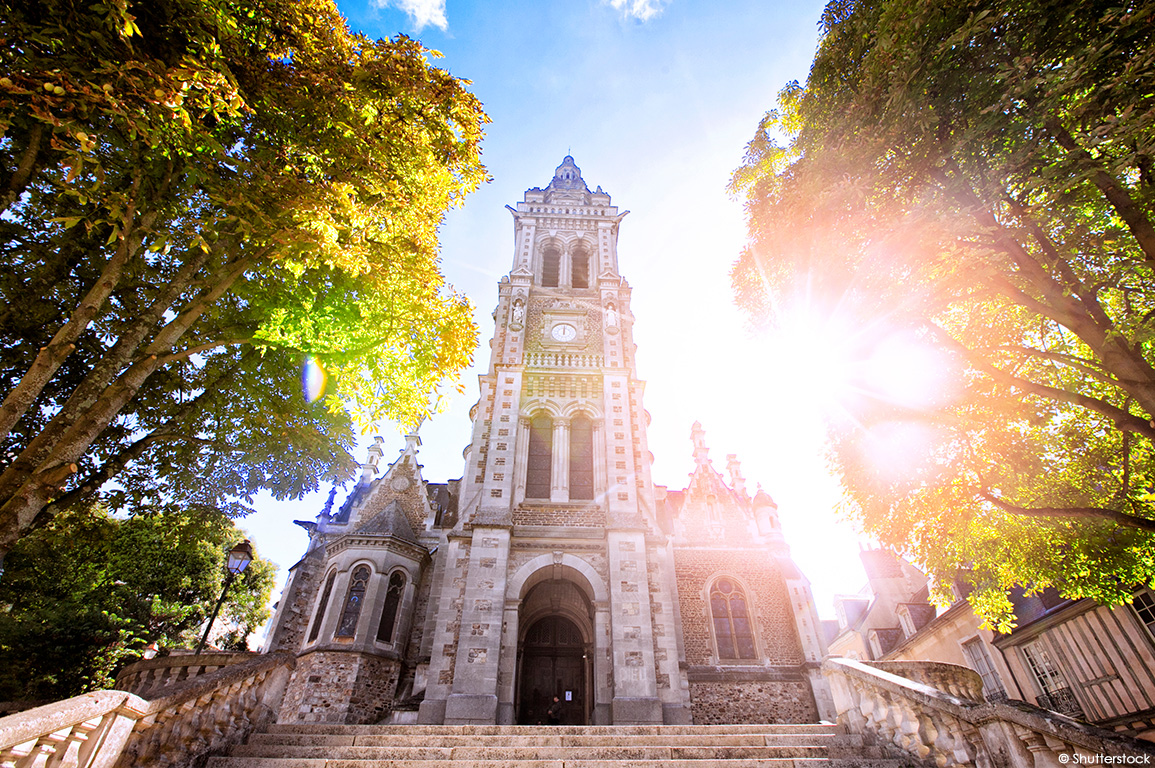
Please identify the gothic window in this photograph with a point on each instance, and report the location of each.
(316, 628)
(581, 268)
(537, 468)
(392, 608)
(733, 630)
(550, 266)
(356, 596)
(581, 459)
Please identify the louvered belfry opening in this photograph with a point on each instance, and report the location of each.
(537, 468)
(550, 267)
(581, 459)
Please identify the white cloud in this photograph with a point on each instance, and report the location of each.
(425, 12)
(642, 10)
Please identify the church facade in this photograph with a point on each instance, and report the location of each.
(553, 567)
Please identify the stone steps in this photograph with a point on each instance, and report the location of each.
(583, 730)
(549, 740)
(491, 746)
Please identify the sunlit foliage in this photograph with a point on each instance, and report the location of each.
(976, 179)
(195, 197)
(85, 594)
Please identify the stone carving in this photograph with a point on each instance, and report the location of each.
(517, 315)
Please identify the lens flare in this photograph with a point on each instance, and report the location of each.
(313, 379)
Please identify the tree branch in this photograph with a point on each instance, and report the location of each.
(1073, 513)
(1068, 360)
(20, 178)
(185, 354)
(1123, 420)
(1132, 215)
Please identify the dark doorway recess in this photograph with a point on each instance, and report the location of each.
(553, 663)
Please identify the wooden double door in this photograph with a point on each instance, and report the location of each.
(553, 662)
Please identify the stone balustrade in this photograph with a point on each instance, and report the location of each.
(935, 713)
(117, 729)
(149, 674)
(562, 360)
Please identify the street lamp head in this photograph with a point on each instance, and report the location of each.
(239, 558)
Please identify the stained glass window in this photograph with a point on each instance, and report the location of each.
(321, 606)
(733, 630)
(356, 596)
(392, 608)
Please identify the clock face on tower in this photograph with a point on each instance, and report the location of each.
(563, 332)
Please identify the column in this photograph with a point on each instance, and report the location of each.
(635, 699)
(507, 668)
(474, 696)
(602, 690)
(601, 481)
(559, 473)
(520, 459)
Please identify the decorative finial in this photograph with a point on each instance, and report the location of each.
(737, 482)
(701, 452)
(413, 440)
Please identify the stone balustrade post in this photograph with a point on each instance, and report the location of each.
(935, 713)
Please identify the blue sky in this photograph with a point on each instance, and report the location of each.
(655, 101)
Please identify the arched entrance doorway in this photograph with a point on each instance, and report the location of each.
(555, 654)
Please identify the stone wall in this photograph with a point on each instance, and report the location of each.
(295, 610)
(777, 636)
(340, 687)
(754, 701)
(580, 517)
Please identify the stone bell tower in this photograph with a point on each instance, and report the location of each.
(555, 580)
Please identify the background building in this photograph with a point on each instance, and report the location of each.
(1076, 657)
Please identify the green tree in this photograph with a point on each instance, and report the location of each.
(86, 593)
(973, 183)
(194, 196)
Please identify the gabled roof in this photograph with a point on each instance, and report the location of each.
(390, 521)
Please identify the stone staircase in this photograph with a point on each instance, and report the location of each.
(496, 746)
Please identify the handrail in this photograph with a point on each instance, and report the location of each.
(117, 729)
(150, 674)
(958, 728)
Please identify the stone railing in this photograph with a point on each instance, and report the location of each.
(117, 729)
(942, 720)
(562, 360)
(150, 674)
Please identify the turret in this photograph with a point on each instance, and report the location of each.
(766, 515)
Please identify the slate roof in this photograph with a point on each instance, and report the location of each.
(390, 521)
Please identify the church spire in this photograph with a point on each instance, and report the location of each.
(567, 176)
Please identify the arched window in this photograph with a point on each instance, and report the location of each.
(581, 268)
(581, 458)
(391, 609)
(550, 266)
(732, 628)
(537, 468)
(321, 606)
(356, 596)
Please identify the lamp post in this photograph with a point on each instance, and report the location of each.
(239, 558)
